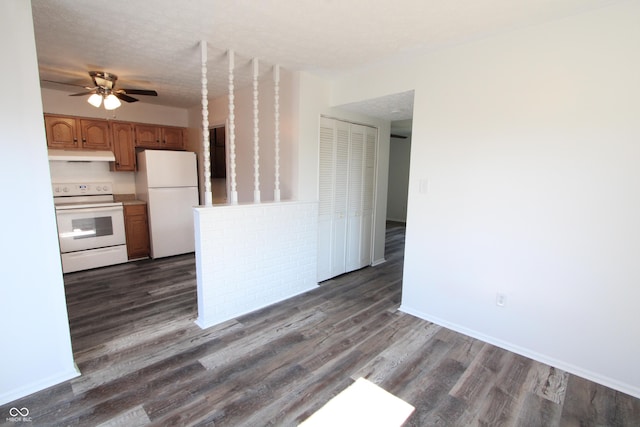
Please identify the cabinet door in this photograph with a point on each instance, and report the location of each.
(172, 138)
(62, 132)
(147, 136)
(136, 230)
(95, 134)
(123, 146)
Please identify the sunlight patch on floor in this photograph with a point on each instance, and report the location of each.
(362, 403)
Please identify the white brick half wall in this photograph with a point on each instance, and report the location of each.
(250, 256)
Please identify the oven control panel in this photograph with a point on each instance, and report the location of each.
(82, 189)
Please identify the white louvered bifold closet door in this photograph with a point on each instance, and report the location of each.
(326, 187)
(354, 212)
(368, 196)
(346, 191)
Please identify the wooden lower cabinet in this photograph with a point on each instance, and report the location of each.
(136, 228)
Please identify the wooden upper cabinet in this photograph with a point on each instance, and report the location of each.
(123, 146)
(147, 136)
(68, 132)
(62, 132)
(71, 132)
(159, 137)
(172, 138)
(95, 134)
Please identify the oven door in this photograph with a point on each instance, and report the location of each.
(90, 228)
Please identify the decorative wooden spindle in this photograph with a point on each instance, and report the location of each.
(256, 136)
(233, 196)
(206, 149)
(276, 109)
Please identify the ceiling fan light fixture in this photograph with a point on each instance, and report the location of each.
(111, 102)
(96, 100)
(104, 90)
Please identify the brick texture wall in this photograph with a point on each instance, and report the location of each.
(250, 256)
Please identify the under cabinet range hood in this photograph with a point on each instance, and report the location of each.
(81, 155)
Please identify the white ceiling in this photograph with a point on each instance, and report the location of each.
(155, 44)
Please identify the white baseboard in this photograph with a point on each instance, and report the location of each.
(34, 387)
(542, 358)
(204, 323)
(378, 262)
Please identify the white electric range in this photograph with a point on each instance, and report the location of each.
(90, 225)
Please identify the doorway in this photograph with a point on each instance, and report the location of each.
(218, 151)
(399, 160)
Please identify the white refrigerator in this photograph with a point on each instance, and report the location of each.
(168, 182)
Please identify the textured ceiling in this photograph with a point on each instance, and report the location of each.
(155, 44)
(397, 106)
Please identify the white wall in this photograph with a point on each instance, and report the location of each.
(36, 346)
(399, 156)
(528, 143)
(314, 99)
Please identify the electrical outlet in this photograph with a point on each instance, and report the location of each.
(501, 299)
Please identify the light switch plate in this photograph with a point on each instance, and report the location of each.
(423, 187)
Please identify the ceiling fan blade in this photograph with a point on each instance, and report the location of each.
(67, 84)
(139, 92)
(124, 97)
(85, 93)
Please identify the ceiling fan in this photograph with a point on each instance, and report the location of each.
(104, 89)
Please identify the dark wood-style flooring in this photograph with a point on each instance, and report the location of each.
(144, 361)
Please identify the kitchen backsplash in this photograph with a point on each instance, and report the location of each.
(123, 182)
